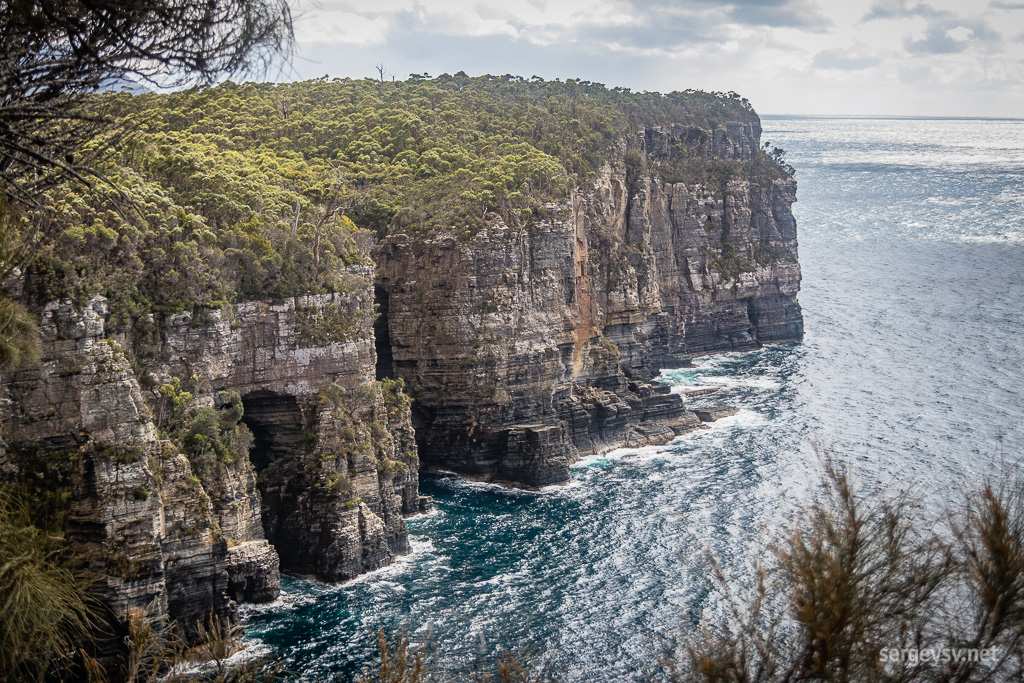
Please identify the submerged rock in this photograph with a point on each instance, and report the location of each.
(714, 413)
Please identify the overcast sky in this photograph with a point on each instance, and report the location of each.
(936, 58)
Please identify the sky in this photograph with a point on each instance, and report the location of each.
(861, 57)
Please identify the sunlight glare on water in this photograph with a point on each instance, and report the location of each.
(912, 249)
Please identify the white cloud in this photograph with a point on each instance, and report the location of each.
(853, 58)
(810, 56)
(343, 27)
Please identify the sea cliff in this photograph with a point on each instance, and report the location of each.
(237, 379)
(527, 347)
(320, 488)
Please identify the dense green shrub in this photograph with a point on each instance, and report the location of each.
(211, 438)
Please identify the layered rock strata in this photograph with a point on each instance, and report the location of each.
(143, 522)
(331, 472)
(530, 345)
(524, 347)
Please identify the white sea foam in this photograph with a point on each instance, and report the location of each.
(457, 482)
(434, 512)
(725, 381)
(634, 453)
(286, 600)
(715, 431)
(744, 419)
(561, 488)
(252, 648)
(421, 544)
(401, 565)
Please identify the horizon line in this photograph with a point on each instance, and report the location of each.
(952, 117)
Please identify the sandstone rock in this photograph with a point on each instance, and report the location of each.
(693, 393)
(714, 413)
(144, 523)
(253, 575)
(321, 500)
(161, 539)
(524, 348)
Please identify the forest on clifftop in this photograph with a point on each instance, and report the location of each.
(261, 191)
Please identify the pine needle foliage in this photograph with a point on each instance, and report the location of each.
(152, 653)
(397, 663)
(19, 335)
(400, 663)
(45, 611)
(868, 589)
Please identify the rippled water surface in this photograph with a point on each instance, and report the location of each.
(912, 248)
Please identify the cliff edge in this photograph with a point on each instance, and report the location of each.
(526, 347)
(319, 288)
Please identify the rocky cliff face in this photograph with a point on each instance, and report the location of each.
(196, 457)
(186, 530)
(329, 498)
(147, 525)
(530, 345)
(336, 510)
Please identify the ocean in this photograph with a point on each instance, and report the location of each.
(912, 373)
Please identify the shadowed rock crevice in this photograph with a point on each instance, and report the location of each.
(275, 420)
(276, 424)
(382, 336)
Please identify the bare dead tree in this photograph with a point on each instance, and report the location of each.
(336, 205)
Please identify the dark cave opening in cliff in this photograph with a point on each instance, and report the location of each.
(382, 335)
(276, 424)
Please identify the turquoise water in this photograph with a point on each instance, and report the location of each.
(912, 247)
